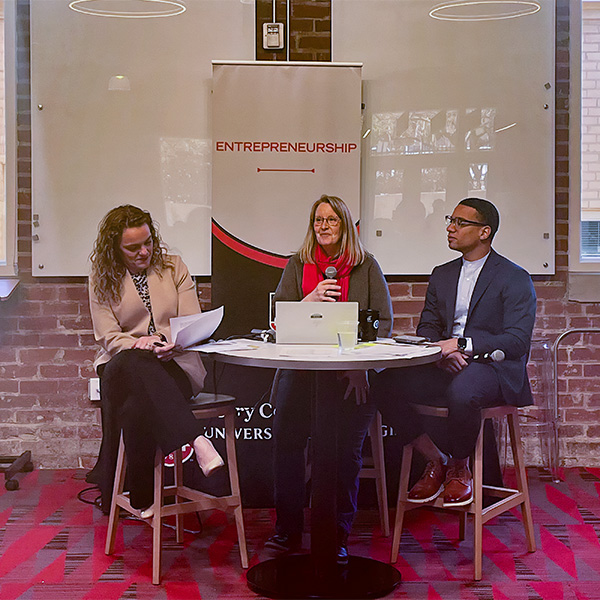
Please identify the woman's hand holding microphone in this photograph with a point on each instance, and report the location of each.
(326, 291)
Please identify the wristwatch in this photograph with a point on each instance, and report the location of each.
(462, 343)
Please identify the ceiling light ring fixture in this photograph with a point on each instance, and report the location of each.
(170, 8)
(522, 8)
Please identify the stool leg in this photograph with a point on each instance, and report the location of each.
(157, 518)
(554, 453)
(462, 525)
(517, 450)
(178, 482)
(478, 506)
(235, 486)
(113, 519)
(380, 479)
(401, 503)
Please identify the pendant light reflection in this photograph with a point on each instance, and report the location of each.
(484, 10)
(505, 128)
(129, 9)
(119, 83)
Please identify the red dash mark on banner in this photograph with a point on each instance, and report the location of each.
(258, 170)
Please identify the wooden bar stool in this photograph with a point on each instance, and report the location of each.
(507, 497)
(187, 500)
(374, 468)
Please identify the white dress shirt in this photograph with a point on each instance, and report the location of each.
(469, 273)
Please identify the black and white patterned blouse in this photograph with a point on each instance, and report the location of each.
(141, 285)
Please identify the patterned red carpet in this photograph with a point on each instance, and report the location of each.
(52, 547)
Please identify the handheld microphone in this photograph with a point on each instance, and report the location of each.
(494, 356)
(330, 273)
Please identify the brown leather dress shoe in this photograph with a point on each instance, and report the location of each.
(458, 488)
(430, 485)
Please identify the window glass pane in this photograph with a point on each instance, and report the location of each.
(590, 240)
(2, 143)
(590, 133)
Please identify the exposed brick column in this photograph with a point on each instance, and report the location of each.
(310, 29)
(264, 14)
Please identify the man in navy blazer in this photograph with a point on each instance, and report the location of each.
(474, 305)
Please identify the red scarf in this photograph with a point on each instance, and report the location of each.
(312, 274)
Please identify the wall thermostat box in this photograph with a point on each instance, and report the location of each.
(273, 36)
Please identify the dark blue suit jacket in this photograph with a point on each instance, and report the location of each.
(501, 316)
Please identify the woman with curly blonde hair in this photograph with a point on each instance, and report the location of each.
(145, 380)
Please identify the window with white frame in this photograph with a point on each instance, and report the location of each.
(589, 239)
(584, 138)
(7, 137)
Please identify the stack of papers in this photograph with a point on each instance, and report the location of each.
(191, 330)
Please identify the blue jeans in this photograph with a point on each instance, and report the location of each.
(291, 430)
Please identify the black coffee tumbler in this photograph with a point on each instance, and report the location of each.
(368, 325)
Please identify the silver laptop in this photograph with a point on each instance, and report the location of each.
(312, 322)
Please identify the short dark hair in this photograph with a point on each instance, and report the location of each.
(487, 212)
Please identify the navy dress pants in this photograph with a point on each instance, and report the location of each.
(292, 396)
(464, 394)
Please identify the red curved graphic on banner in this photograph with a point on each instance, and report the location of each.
(261, 256)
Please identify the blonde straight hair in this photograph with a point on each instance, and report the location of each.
(350, 244)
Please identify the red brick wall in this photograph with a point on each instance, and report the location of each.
(310, 29)
(46, 344)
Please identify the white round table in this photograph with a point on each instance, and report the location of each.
(317, 575)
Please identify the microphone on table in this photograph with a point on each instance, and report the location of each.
(265, 335)
(494, 356)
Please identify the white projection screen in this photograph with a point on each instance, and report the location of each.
(99, 140)
(452, 109)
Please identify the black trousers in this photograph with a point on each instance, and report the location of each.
(464, 394)
(148, 400)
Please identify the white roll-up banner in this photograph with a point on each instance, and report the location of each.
(283, 135)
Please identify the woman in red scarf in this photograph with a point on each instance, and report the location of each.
(331, 240)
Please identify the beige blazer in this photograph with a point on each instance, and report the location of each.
(118, 325)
